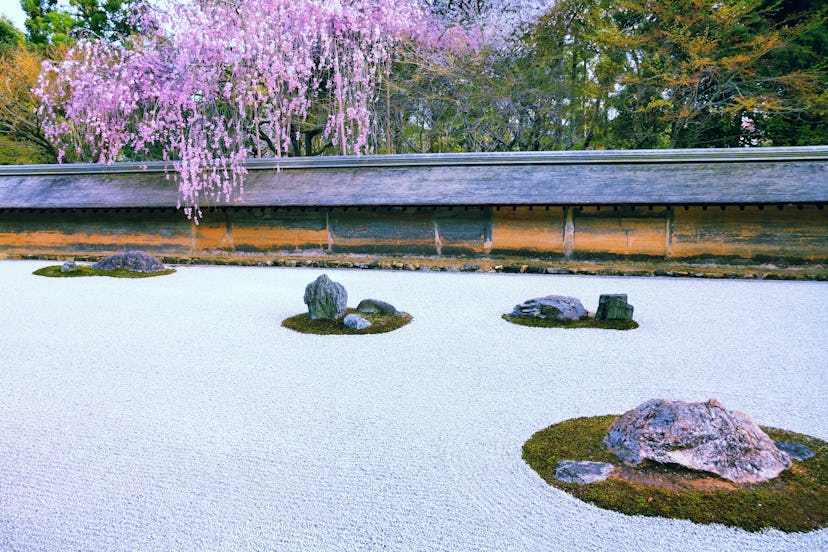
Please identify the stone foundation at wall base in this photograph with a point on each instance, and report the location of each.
(655, 268)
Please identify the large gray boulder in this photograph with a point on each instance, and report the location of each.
(558, 307)
(614, 307)
(326, 298)
(136, 261)
(375, 305)
(700, 436)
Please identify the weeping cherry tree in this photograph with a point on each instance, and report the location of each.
(207, 84)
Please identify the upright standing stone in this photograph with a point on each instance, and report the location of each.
(614, 307)
(326, 298)
(699, 436)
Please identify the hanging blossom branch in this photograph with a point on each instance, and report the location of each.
(205, 81)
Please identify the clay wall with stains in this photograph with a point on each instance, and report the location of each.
(794, 233)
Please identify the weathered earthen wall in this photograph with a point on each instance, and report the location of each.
(793, 233)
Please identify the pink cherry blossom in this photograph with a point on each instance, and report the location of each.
(209, 83)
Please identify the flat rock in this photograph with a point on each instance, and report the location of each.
(375, 305)
(700, 436)
(136, 261)
(614, 307)
(797, 451)
(326, 298)
(571, 471)
(68, 266)
(356, 322)
(557, 307)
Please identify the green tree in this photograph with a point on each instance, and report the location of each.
(807, 52)
(10, 37)
(704, 70)
(682, 73)
(51, 22)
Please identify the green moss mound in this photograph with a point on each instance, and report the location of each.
(85, 270)
(585, 323)
(380, 323)
(796, 501)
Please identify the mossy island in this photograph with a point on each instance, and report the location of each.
(328, 312)
(796, 500)
(130, 264)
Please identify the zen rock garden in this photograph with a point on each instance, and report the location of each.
(695, 461)
(559, 311)
(328, 312)
(698, 461)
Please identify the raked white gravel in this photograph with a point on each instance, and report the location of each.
(175, 413)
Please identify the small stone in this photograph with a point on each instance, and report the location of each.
(614, 307)
(571, 471)
(356, 322)
(410, 267)
(68, 266)
(375, 305)
(557, 271)
(557, 307)
(136, 261)
(469, 267)
(326, 299)
(700, 436)
(797, 451)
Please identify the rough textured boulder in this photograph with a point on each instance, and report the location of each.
(136, 261)
(68, 266)
(374, 305)
(570, 471)
(356, 322)
(557, 307)
(614, 307)
(326, 298)
(699, 436)
(797, 451)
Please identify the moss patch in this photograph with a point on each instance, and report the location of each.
(585, 323)
(797, 500)
(85, 270)
(380, 323)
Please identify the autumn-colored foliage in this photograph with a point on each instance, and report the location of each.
(20, 127)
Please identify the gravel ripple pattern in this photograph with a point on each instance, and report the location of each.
(175, 413)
